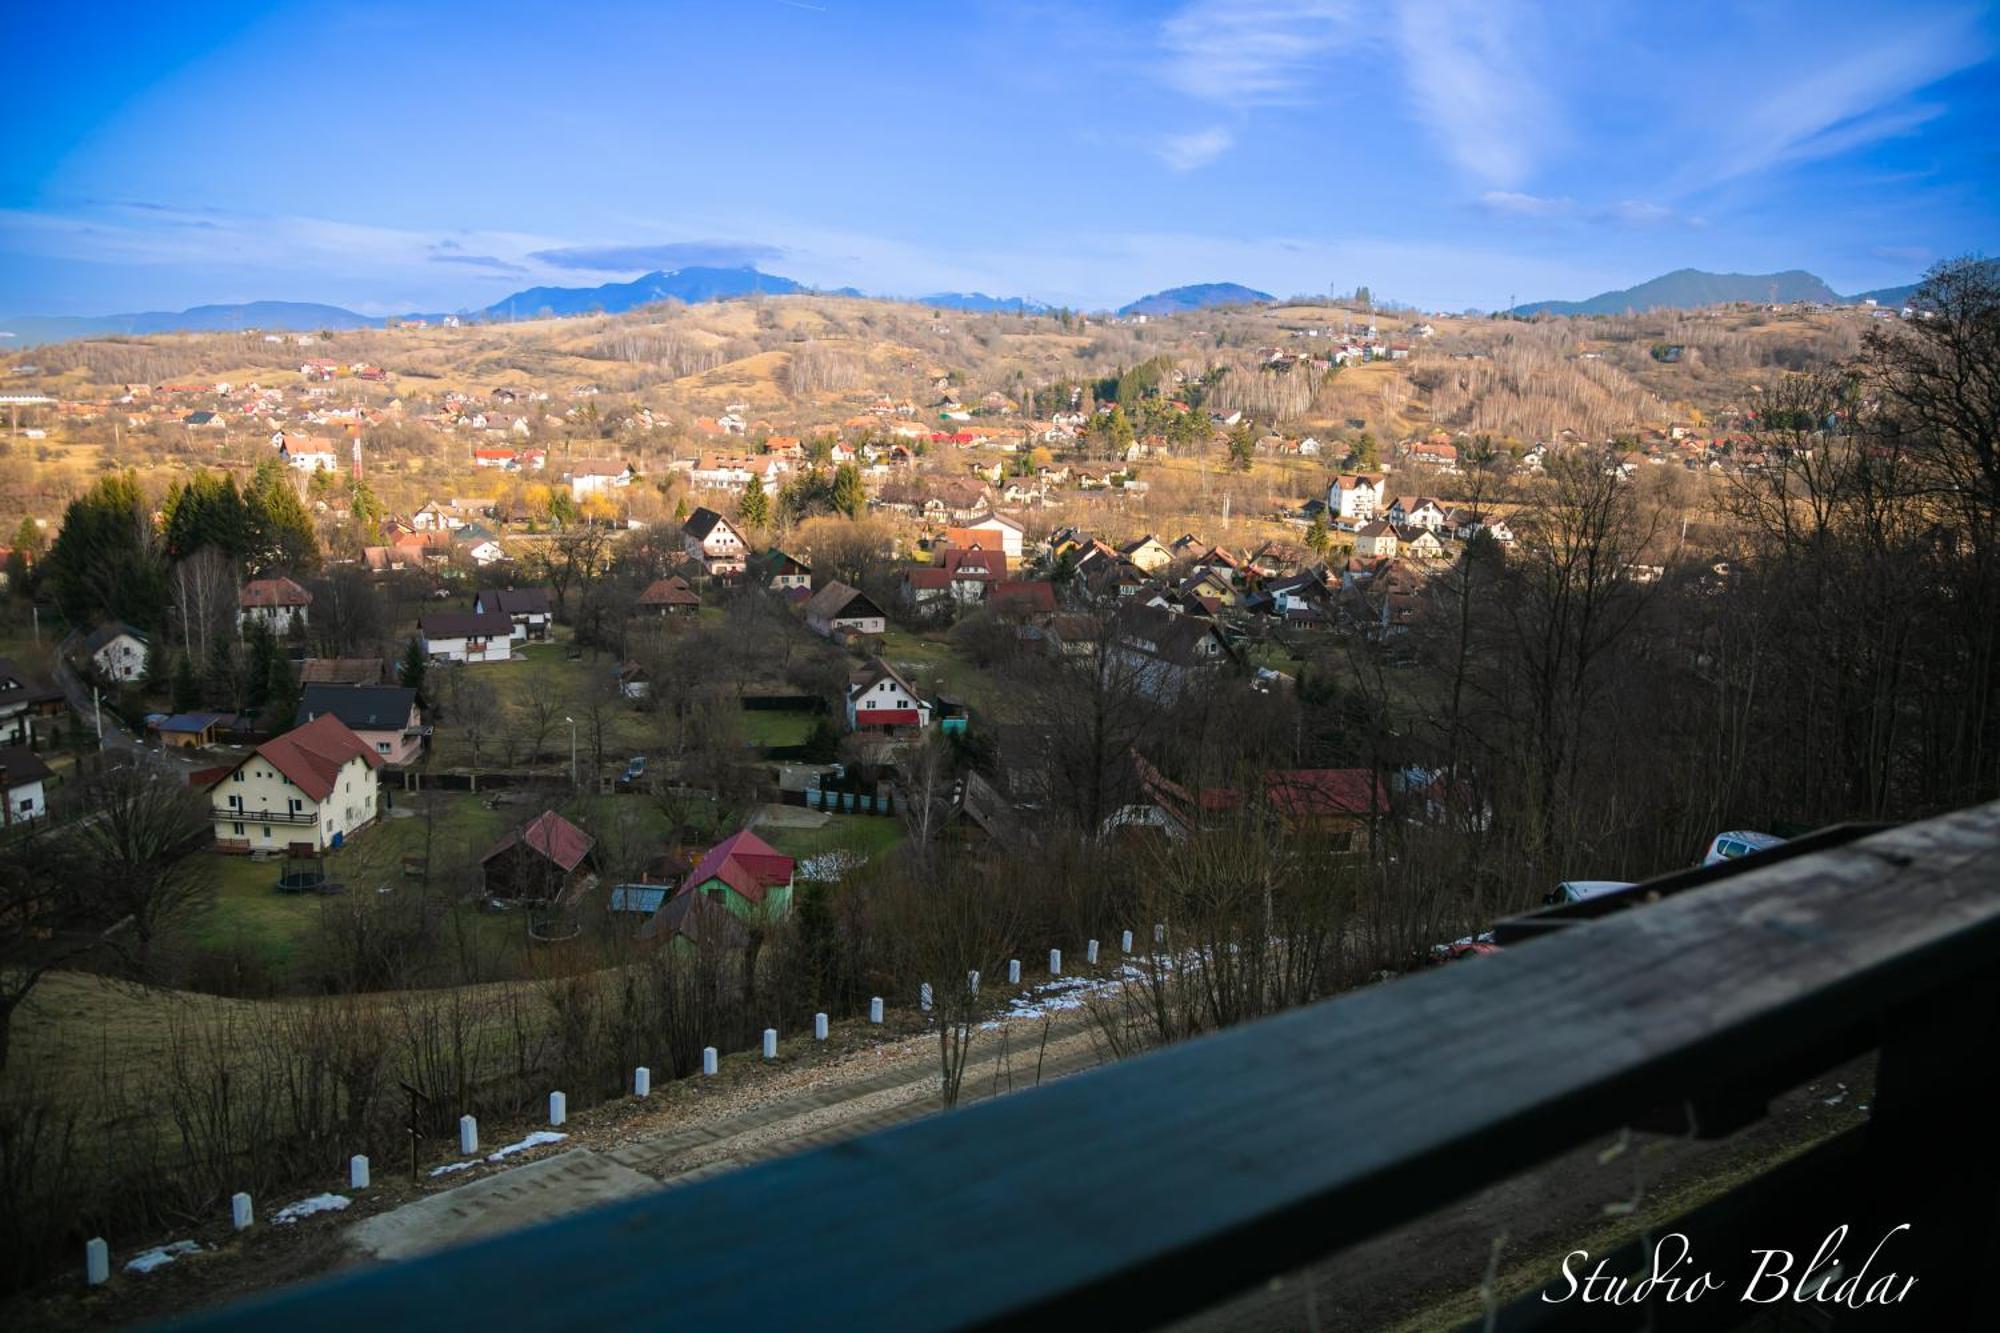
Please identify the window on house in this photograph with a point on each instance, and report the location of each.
(382, 747)
(237, 829)
(267, 830)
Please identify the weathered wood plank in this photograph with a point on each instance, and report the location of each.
(1152, 1187)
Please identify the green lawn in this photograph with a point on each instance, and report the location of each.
(248, 913)
(934, 666)
(772, 726)
(869, 835)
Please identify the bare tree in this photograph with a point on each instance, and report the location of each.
(145, 823)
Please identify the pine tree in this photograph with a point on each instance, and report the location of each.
(258, 670)
(186, 689)
(281, 694)
(282, 529)
(850, 497)
(1318, 537)
(221, 684)
(755, 507)
(413, 669)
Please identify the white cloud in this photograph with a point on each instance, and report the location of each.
(1639, 212)
(1513, 203)
(1470, 83)
(1843, 101)
(1185, 152)
(1251, 53)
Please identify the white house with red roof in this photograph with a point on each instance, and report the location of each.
(276, 602)
(315, 786)
(878, 698)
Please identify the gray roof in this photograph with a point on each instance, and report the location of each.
(360, 707)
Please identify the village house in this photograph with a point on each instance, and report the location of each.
(993, 531)
(1421, 543)
(315, 786)
(713, 540)
(1147, 554)
(434, 517)
(527, 608)
(1416, 511)
(467, 636)
(341, 671)
(1376, 540)
(385, 717)
(274, 603)
(879, 698)
(118, 651)
(22, 774)
(23, 701)
(670, 596)
(546, 860)
(1164, 653)
(1355, 498)
(309, 454)
(596, 476)
(745, 874)
(782, 573)
(1469, 523)
(837, 608)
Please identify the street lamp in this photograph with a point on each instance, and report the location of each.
(572, 750)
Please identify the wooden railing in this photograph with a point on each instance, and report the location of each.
(1152, 1188)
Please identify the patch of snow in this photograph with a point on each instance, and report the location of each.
(534, 1140)
(450, 1167)
(160, 1256)
(1064, 993)
(831, 867)
(318, 1203)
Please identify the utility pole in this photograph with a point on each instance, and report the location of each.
(97, 706)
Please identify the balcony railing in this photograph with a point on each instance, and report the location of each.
(1150, 1189)
(225, 813)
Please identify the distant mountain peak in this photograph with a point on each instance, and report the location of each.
(1691, 288)
(1199, 296)
(693, 284)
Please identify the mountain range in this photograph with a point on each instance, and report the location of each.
(1683, 288)
(1689, 288)
(1197, 297)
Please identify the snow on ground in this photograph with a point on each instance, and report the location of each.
(160, 1256)
(831, 867)
(534, 1140)
(318, 1203)
(450, 1167)
(1063, 993)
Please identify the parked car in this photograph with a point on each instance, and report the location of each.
(635, 769)
(1576, 890)
(1729, 846)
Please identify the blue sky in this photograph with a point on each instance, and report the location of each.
(411, 156)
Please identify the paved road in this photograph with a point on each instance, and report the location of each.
(116, 737)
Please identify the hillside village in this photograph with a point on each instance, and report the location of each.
(791, 653)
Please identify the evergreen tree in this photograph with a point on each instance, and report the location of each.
(755, 507)
(850, 497)
(1243, 445)
(1366, 456)
(283, 530)
(220, 687)
(1318, 536)
(186, 689)
(281, 694)
(207, 510)
(562, 510)
(258, 669)
(365, 509)
(412, 670)
(105, 563)
(28, 538)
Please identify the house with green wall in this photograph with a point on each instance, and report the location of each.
(745, 874)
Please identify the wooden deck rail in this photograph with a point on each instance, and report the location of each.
(1146, 1190)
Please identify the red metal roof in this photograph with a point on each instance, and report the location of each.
(746, 863)
(551, 835)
